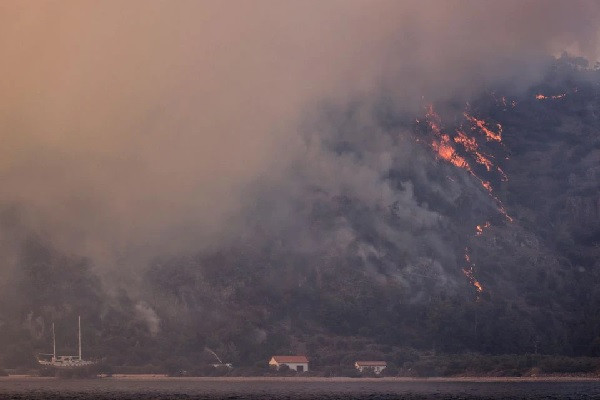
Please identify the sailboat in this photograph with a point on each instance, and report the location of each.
(64, 362)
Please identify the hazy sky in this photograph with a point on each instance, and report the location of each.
(134, 127)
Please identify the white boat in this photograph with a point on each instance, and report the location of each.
(64, 362)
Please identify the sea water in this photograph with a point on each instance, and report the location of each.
(253, 388)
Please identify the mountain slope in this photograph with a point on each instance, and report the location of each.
(470, 227)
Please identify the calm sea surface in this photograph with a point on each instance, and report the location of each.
(39, 388)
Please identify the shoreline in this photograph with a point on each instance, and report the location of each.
(464, 379)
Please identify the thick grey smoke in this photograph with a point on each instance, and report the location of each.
(148, 316)
(136, 129)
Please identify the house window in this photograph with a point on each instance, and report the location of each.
(300, 368)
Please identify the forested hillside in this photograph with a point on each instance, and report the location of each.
(472, 227)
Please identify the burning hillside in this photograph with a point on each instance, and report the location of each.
(473, 229)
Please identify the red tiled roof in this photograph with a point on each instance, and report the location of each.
(371, 363)
(290, 359)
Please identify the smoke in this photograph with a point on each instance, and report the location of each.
(149, 317)
(135, 129)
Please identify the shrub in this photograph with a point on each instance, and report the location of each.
(567, 365)
(390, 370)
(428, 368)
(455, 367)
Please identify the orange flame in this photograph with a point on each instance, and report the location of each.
(468, 143)
(479, 123)
(470, 273)
(479, 228)
(540, 96)
(444, 149)
(483, 160)
(502, 210)
(443, 146)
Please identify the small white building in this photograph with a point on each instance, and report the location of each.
(375, 366)
(296, 363)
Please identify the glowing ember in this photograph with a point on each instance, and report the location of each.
(502, 210)
(479, 123)
(504, 177)
(468, 143)
(479, 228)
(470, 274)
(503, 101)
(444, 148)
(442, 144)
(483, 160)
(543, 97)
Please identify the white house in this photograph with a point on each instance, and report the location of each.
(296, 363)
(375, 366)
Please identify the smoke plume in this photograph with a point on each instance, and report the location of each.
(131, 130)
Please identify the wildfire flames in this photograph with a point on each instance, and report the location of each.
(503, 101)
(445, 150)
(479, 123)
(479, 228)
(444, 147)
(468, 143)
(469, 273)
(540, 96)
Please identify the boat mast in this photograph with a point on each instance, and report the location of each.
(53, 344)
(79, 323)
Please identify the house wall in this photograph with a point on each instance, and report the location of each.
(293, 366)
(376, 369)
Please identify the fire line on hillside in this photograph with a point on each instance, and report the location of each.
(445, 149)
